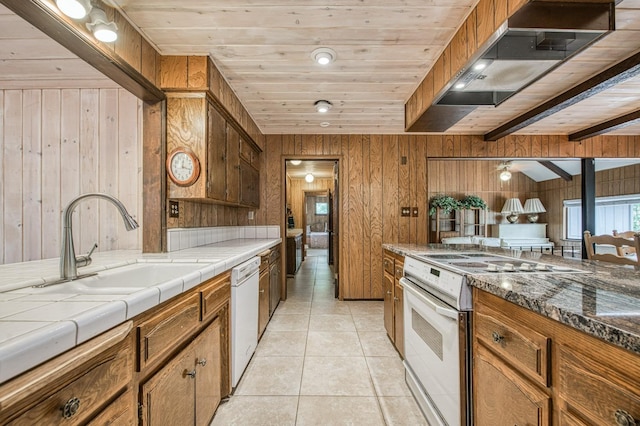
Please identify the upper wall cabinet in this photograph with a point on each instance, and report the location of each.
(207, 156)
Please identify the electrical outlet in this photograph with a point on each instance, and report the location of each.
(251, 215)
(414, 212)
(405, 211)
(174, 209)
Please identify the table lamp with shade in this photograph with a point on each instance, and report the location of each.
(511, 209)
(532, 207)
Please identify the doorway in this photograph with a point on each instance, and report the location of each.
(312, 211)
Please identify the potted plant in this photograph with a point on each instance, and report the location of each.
(473, 202)
(444, 202)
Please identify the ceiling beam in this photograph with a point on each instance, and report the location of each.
(557, 170)
(606, 126)
(608, 78)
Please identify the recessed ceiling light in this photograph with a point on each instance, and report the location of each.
(322, 106)
(309, 177)
(323, 55)
(296, 162)
(325, 124)
(75, 9)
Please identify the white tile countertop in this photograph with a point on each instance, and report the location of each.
(36, 324)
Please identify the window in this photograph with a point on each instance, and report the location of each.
(621, 213)
(322, 209)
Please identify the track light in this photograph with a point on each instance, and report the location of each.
(75, 9)
(100, 26)
(322, 106)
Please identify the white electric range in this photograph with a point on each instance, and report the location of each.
(437, 332)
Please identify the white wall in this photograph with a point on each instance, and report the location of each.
(56, 144)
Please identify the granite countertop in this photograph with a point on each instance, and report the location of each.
(604, 302)
(39, 324)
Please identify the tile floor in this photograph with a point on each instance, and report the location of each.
(323, 362)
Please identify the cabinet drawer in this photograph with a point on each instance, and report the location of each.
(81, 399)
(598, 393)
(119, 412)
(160, 334)
(399, 270)
(389, 264)
(214, 295)
(523, 348)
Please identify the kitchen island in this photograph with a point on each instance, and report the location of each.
(560, 347)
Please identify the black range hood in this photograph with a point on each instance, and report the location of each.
(536, 39)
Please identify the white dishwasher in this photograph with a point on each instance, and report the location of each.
(244, 316)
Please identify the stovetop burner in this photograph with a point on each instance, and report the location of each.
(483, 263)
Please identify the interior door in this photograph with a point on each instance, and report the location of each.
(330, 228)
(335, 228)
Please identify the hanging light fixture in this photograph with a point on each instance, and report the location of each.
(74, 9)
(309, 178)
(323, 55)
(322, 106)
(505, 175)
(102, 29)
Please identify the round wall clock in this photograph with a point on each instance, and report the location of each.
(183, 166)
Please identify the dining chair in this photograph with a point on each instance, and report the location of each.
(617, 242)
(624, 251)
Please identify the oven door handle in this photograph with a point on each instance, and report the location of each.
(445, 312)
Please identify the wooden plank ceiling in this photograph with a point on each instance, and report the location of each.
(29, 59)
(384, 49)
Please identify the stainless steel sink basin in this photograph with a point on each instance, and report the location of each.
(123, 280)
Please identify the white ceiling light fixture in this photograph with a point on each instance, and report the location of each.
(100, 26)
(295, 162)
(323, 55)
(74, 9)
(322, 106)
(325, 124)
(505, 175)
(309, 178)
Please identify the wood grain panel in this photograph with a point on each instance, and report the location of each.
(355, 214)
(375, 223)
(58, 143)
(404, 187)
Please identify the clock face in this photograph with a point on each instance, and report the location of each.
(183, 167)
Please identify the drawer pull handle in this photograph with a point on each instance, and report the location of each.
(497, 338)
(262, 291)
(624, 419)
(191, 374)
(396, 299)
(388, 291)
(202, 362)
(70, 408)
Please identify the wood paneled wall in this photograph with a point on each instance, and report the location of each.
(381, 173)
(56, 144)
(296, 197)
(459, 178)
(552, 193)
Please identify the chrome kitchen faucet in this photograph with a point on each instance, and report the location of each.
(69, 263)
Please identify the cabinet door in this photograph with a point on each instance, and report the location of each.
(387, 288)
(263, 304)
(168, 398)
(233, 165)
(398, 309)
(119, 412)
(208, 367)
(216, 155)
(249, 185)
(503, 398)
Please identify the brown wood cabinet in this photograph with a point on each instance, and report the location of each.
(294, 254)
(393, 265)
(263, 298)
(187, 389)
(530, 369)
(195, 123)
(276, 291)
(75, 387)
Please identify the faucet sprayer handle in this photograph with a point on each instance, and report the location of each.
(85, 259)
